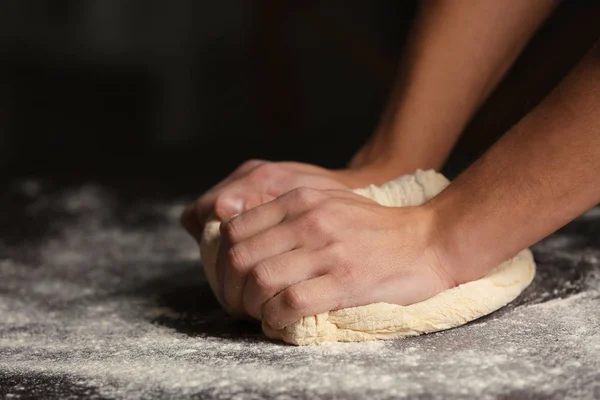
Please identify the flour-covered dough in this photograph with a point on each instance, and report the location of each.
(449, 309)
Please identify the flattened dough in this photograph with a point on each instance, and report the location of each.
(449, 309)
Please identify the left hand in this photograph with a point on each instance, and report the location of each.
(257, 181)
(310, 251)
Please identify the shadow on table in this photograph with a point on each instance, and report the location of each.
(186, 304)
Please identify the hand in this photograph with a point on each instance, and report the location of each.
(311, 251)
(256, 182)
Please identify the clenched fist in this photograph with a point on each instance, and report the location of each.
(310, 251)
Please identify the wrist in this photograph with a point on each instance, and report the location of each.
(390, 154)
(434, 249)
(381, 159)
(372, 166)
(458, 238)
(372, 174)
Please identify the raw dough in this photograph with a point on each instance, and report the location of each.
(451, 308)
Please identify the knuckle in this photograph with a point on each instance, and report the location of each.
(263, 171)
(337, 253)
(262, 277)
(295, 299)
(232, 230)
(304, 196)
(236, 257)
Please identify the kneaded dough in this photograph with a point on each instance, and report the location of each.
(449, 309)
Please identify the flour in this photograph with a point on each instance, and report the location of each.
(110, 303)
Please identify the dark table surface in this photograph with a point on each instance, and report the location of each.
(102, 296)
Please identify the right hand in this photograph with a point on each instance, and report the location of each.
(256, 182)
(311, 251)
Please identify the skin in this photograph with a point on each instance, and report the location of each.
(458, 51)
(542, 174)
(302, 244)
(475, 42)
(256, 182)
(311, 251)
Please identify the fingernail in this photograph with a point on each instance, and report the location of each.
(229, 207)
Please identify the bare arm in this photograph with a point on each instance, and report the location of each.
(457, 52)
(311, 251)
(539, 176)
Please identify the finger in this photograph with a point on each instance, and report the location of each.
(240, 194)
(310, 297)
(273, 241)
(225, 200)
(190, 222)
(207, 203)
(271, 276)
(272, 213)
(240, 197)
(242, 257)
(194, 216)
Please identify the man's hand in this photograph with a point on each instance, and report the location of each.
(311, 251)
(256, 182)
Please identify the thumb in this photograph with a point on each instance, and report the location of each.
(228, 205)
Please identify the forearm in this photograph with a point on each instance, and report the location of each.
(457, 52)
(539, 176)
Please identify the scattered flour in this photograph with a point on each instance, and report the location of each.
(112, 302)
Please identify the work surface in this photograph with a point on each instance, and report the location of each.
(102, 296)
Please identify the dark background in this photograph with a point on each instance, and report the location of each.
(183, 91)
(160, 98)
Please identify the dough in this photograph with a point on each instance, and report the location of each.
(449, 309)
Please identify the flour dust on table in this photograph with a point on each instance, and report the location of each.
(449, 309)
(102, 297)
